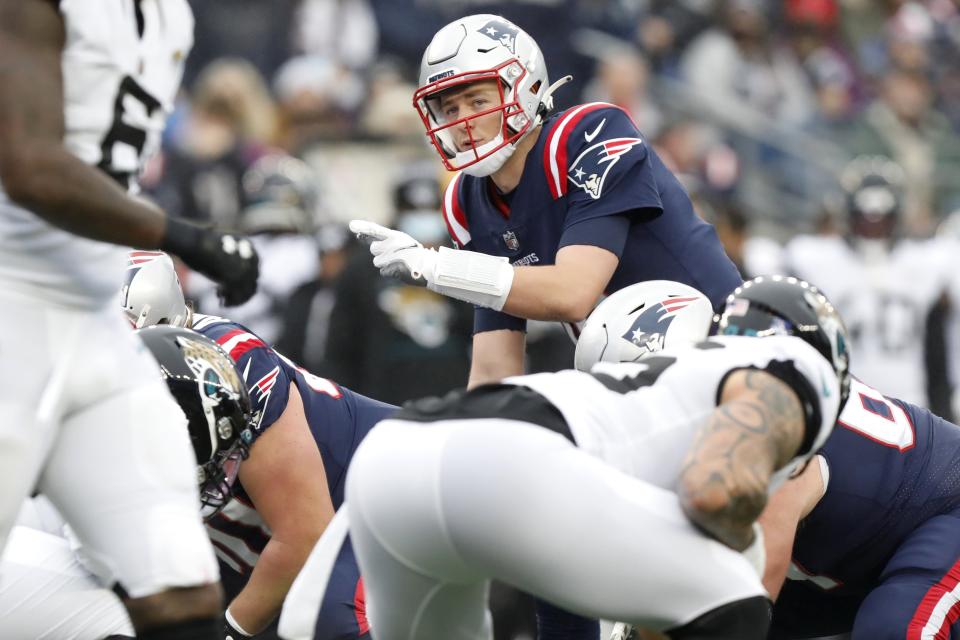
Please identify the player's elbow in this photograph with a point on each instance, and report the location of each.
(20, 175)
(573, 307)
(724, 514)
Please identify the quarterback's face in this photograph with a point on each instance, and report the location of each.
(468, 101)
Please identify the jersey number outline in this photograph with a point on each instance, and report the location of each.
(318, 384)
(121, 132)
(874, 417)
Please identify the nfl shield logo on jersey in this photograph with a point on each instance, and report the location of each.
(591, 167)
(502, 32)
(510, 238)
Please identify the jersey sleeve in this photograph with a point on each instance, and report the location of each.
(489, 320)
(596, 158)
(813, 379)
(263, 372)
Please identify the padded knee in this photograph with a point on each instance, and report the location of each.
(747, 619)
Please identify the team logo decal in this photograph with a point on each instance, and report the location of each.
(650, 327)
(201, 358)
(510, 239)
(502, 32)
(591, 167)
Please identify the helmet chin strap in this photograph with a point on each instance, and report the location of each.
(546, 104)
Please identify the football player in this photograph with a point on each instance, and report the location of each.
(867, 536)
(884, 284)
(305, 434)
(85, 86)
(625, 493)
(49, 586)
(549, 211)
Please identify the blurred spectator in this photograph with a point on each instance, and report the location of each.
(306, 316)
(903, 125)
(392, 341)
(669, 28)
(622, 79)
(230, 122)
(258, 31)
(344, 32)
(742, 69)
(318, 100)
(387, 113)
(280, 217)
(812, 27)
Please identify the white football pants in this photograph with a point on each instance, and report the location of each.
(438, 509)
(86, 419)
(46, 594)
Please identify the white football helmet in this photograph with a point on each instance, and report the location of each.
(475, 48)
(151, 292)
(640, 319)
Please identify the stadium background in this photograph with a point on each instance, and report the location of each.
(757, 106)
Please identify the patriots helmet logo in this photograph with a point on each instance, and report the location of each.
(649, 329)
(591, 167)
(501, 31)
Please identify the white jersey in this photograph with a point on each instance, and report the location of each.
(119, 85)
(642, 417)
(884, 299)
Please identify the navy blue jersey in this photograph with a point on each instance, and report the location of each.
(590, 179)
(339, 419)
(892, 467)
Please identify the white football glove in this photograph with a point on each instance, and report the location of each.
(465, 275)
(396, 253)
(622, 631)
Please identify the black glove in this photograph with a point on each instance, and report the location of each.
(228, 259)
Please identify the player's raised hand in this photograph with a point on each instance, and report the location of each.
(226, 258)
(397, 254)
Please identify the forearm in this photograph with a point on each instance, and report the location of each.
(56, 185)
(496, 355)
(548, 293)
(262, 597)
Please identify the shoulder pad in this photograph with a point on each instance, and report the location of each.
(586, 137)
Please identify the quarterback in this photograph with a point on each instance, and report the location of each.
(549, 211)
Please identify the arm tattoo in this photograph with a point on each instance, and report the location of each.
(724, 479)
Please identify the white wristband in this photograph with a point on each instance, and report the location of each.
(472, 277)
(236, 627)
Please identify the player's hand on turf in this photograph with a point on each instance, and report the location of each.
(227, 258)
(397, 254)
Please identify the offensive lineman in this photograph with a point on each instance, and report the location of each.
(84, 89)
(306, 431)
(579, 195)
(868, 537)
(551, 481)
